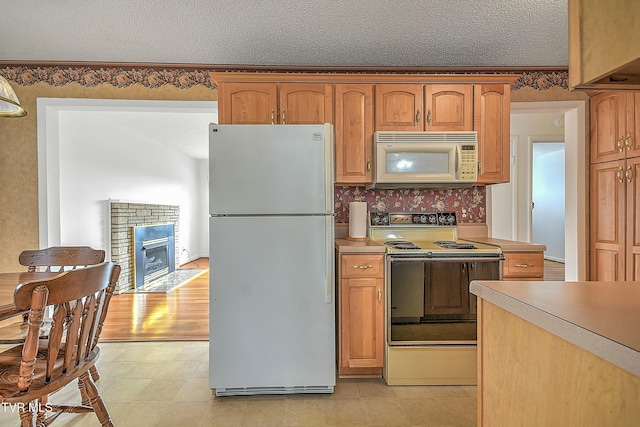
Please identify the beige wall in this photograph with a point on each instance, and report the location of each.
(18, 148)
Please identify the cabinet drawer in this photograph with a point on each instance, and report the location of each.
(523, 265)
(362, 265)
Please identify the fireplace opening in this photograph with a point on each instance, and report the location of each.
(154, 253)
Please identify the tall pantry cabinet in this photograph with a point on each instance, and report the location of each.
(615, 186)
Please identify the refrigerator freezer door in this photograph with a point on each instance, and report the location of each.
(271, 327)
(267, 169)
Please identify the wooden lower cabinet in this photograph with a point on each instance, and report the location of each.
(523, 266)
(360, 315)
(615, 220)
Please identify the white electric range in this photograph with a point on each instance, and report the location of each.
(430, 316)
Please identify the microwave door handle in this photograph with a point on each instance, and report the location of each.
(458, 161)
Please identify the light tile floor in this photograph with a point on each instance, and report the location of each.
(166, 384)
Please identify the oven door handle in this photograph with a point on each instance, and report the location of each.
(428, 258)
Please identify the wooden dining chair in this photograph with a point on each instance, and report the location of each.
(54, 258)
(60, 258)
(31, 371)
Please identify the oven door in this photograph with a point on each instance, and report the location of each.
(429, 301)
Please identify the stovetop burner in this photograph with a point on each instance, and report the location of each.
(450, 244)
(401, 244)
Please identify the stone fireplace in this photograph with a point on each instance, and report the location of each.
(125, 219)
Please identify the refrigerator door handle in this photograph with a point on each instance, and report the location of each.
(328, 164)
(329, 243)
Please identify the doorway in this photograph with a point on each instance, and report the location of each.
(513, 199)
(548, 193)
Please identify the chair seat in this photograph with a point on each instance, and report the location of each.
(9, 366)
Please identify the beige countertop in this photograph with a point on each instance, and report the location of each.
(600, 317)
(508, 245)
(368, 246)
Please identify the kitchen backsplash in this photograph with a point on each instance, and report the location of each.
(468, 203)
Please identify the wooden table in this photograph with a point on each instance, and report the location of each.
(8, 284)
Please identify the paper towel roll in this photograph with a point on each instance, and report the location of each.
(358, 220)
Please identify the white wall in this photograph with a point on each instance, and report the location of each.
(511, 206)
(86, 158)
(515, 197)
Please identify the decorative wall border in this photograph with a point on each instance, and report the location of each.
(156, 76)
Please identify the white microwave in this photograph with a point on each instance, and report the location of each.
(425, 159)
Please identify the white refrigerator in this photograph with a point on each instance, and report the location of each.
(272, 281)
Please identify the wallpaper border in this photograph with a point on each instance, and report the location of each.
(155, 76)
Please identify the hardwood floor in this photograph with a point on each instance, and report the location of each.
(179, 315)
(183, 314)
(553, 270)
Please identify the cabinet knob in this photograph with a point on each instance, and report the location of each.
(619, 143)
(627, 142)
(619, 174)
(368, 166)
(379, 295)
(629, 173)
(273, 117)
(524, 265)
(363, 267)
(429, 118)
(418, 116)
(284, 120)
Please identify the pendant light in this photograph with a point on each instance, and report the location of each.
(9, 104)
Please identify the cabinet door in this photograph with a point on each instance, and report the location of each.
(448, 107)
(399, 107)
(491, 121)
(305, 103)
(608, 123)
(481, 271)
(632, 134)
(353, 133)
(608, 193)
(633, 218)
(362, 323)
(248, 103)
(446, 288)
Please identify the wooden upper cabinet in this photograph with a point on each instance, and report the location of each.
(615, 125)
(302, 103)
(247, 103)
(491, 121)
(632, 135)
(353, 133)
(399, 107)
(416, 107)
(448, 107)
(271, 103)
(608, 125)
(604, 52)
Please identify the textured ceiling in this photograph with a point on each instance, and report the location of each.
(322, 33)
(387, 33)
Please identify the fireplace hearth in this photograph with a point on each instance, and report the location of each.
(154, 253)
